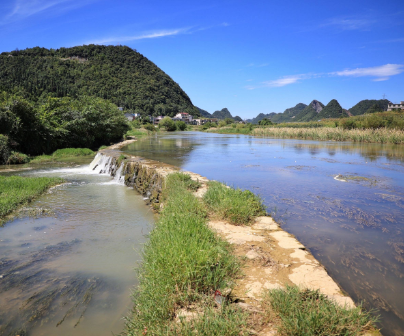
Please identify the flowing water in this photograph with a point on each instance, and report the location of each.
(344, 201)
(71, 272)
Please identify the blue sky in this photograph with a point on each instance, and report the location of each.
(248, 56)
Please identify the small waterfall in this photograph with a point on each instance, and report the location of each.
(118, 175)
(95, 161)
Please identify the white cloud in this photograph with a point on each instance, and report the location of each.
(379, 73)
(153, 34)
(349, 24)
(23, 9)
(150, 35)
(283, 81)
(382, 72)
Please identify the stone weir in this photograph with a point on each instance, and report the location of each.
(273, 258)
(146, 176)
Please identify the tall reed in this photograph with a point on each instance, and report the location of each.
(380, 135)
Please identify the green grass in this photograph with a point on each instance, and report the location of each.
(184, 262)
(137, 132)
(309, 313)
(68, 152)
(235, 205)
(228, 321)
(17, 190)
(230, 130)
(61, 154)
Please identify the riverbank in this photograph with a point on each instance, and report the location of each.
(16, 191)
(268, 257)
(380, 135)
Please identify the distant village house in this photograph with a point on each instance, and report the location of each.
(392, 107)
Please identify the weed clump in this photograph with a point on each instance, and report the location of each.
(185, 181)
(235, 205)
(310, 313)
(183, 262)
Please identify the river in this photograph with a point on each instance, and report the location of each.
(71, 272)
(344, 201)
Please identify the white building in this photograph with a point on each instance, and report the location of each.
(183, 116)
(392, 106)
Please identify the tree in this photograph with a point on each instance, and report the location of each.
(168, 124)
(265, 122)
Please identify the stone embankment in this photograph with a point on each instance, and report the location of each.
(273, 257)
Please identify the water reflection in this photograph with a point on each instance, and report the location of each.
(353, 225)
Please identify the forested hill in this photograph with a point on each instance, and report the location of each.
(222, 114)
(117, 73)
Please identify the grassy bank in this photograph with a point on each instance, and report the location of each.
(184, 263)
(381, 135)
(16, 191)
(63, 154)
(138, 132)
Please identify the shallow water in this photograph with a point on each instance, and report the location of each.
(344, 201)
(71, 273)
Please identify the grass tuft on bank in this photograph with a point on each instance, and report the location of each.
(237, 206)
(184, 262)
(17, 190)
(61, 154)
(310, 313)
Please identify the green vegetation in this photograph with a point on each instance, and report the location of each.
(17, 158)
(149, 127)
(168, 124)
(68, 152)
(389, 120)
(4, 149)
(235, 205)
(117, 73)
(17, 190)
(63, 154)
(54, 123)
(265, 122)
(307, 312)
(381, 135)
(184, 262)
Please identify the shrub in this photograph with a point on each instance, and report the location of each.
(149, 127)
(135, 123)
(222, 123)
(17, 158)
(235, 205)
(181, 126)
